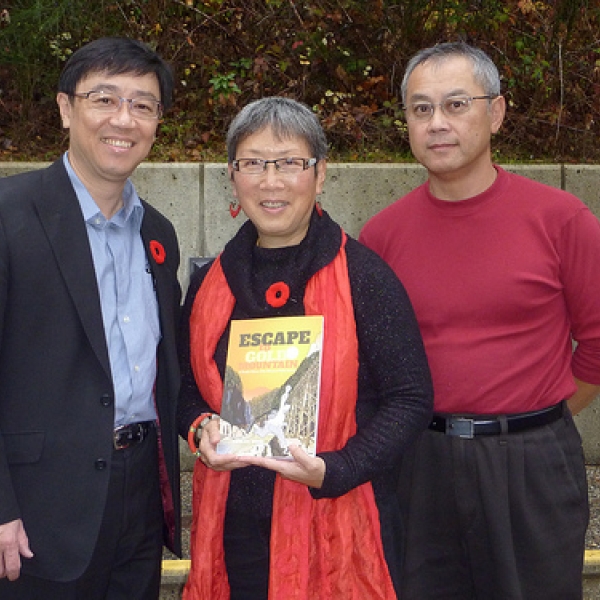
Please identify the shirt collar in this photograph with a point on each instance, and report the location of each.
(132, 204)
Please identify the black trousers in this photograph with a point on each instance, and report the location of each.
(246, 545)
(247, 540)
(498, 517)
(126, 561)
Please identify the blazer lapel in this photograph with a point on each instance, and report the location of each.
(163, 279)
(61, 217)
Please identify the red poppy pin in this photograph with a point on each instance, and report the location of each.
(277, 295)
(158, 252)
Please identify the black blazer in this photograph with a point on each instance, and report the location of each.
(56, 392)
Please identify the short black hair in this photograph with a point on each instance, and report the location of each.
(116, 56)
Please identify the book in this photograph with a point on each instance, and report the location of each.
(271, 386)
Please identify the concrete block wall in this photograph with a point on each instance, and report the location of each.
(196, 198)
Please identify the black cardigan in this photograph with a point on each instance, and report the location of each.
(395, 395)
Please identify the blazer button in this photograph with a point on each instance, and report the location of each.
(100, 464)
(106, 400)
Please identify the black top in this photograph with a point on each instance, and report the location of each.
(395, 395)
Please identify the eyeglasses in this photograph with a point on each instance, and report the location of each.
(109, 102)
(290, 164)
(454, 106)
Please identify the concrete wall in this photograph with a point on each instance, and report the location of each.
(196, 198)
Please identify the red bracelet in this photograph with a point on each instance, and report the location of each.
(197, 425)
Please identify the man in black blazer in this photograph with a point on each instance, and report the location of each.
(89, 303)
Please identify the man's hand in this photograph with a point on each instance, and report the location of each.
(304, 469)
(13, 545)
(584, 396)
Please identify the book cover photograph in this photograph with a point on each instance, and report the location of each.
(271, 386)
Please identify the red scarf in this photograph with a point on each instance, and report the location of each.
(329, 548)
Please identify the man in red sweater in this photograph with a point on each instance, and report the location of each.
(503, 276)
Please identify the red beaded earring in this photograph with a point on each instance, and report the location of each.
(319, 208)
(234, 209)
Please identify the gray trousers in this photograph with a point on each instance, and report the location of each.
(499, 517)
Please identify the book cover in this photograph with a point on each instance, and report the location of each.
(271, 386)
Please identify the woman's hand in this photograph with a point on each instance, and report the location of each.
(304, 469)
(211, 436)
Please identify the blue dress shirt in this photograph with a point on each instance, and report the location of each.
(128, 300)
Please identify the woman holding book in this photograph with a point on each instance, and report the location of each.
(324, 526)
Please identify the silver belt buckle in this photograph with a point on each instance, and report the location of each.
(124, 444)
(461, 427)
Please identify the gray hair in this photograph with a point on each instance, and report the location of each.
(485, 71)
(287, 118)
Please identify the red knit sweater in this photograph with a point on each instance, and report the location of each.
(500, 283)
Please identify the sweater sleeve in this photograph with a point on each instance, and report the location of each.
(395, 395)
(579, 250)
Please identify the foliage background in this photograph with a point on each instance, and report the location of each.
(344, 58)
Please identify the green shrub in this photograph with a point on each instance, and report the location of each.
(343, 58)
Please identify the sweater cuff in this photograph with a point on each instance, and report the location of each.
(336, 481)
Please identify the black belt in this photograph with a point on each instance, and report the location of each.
(126, 436)
(470, 426)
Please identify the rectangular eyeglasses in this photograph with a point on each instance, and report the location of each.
(109, 102)
(290, 164)
(453, 106)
